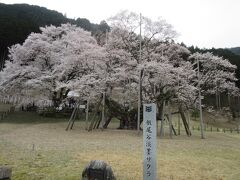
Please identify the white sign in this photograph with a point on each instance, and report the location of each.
(149, 142)
(82, 106)
(73, 94)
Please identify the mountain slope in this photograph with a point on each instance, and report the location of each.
(235, 50)
(17, 21)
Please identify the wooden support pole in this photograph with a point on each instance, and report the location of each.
(103, 110)
(140, 79)
(200, 102)
(70, 120)
(189, 119)
(97, 123)
(162, 121)
(179, 125)
(87, 109)
(219, 100)
(93, 118)
(174, 131)
(184, 120)
(74, 116)
(169, 116)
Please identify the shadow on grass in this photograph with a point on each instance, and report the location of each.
(31, 117)
(23, 117)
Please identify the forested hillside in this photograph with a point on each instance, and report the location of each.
(235, 50)
(17, 21)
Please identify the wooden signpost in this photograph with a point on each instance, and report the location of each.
(149, 142)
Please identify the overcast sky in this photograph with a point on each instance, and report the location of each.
(202, 23)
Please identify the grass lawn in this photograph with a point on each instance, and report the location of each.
(40, 148)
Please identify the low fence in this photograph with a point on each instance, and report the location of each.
(216, 129)
(209, 128)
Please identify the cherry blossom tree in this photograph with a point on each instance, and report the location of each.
(162, 62)
(61, 59)
(217, 74)
(56, 60)
(167, 69)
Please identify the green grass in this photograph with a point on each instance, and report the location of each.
(4, 107)
(40, 148)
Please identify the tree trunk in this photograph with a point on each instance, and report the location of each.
(107, 122)
(127, 119)
(123, 123)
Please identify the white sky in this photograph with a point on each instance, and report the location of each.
(203, 23)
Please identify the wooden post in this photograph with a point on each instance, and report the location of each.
(179, 124)
(139, 101)
(189, 119)
(94, 115)
(217, 104)
(200, 102)
(140, 78)
(72, 115)
(170, 120)
(87, 109)
(103, 110)
(162, 121)
(219, 100)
